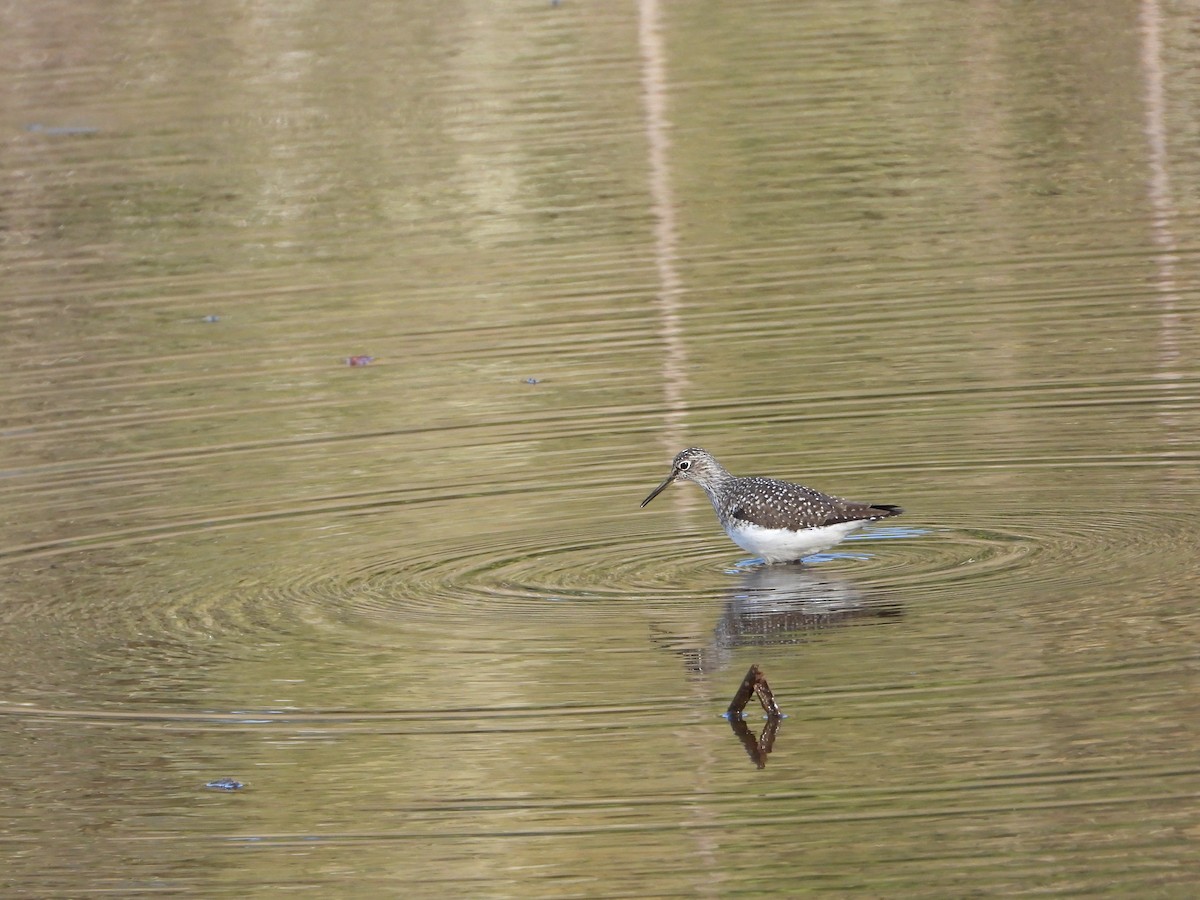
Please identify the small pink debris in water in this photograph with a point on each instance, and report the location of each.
(359, 360)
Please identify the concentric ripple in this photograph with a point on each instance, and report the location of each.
(366, 583)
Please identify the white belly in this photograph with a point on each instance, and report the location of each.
(780, 545)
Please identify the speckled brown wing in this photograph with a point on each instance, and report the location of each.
(770, 503)
(850, 511)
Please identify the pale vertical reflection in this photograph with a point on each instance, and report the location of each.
(1163, 211)
(654, 94)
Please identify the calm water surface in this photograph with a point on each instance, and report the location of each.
(936, 254)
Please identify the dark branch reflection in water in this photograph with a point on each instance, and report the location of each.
(758, 747)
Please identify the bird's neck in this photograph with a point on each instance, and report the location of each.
(717, 486)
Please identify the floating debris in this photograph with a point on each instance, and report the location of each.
(211, 318)
(359, 360)
(754, 683)
(533, 381)
(225, 784)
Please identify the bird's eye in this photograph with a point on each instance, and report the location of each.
(684, 466)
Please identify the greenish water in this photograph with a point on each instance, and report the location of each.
(935, 254)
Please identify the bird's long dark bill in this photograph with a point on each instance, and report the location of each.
(658, 490)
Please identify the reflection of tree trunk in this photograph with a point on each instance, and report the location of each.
(654, 97)
(1163, 216)
(1162, 207)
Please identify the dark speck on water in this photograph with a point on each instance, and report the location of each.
(211, 319)
(532, 380)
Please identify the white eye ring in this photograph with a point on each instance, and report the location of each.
(684, 465)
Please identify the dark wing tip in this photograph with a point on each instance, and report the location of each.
(886, 509)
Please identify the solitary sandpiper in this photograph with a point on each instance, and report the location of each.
(776, 520)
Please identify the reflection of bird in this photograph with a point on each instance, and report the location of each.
(778, 606)
(788, 604)
(776, 520)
